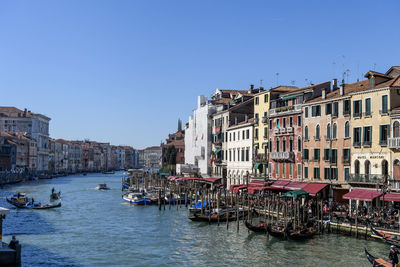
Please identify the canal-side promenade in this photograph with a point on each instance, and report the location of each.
(97, 228)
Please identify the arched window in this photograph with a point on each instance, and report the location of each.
(277, 144)
(367, 166)
(347, 129)
(334, 134)
(317, 132)
(291, 144)
(396, 129)
(270, 145)
(385, 170)
(306, 133)
(299, 144)
(328, 131)
(396, 169)
(284, 144)
(357, 167)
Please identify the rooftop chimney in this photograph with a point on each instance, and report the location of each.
(323, 93)
(247, 118)
(251, 88)
(235, 120)
(334, 84)
(341, 89)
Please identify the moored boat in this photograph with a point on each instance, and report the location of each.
(259, 228)
(390, 239)
(54, 195)
(26, 203)
(377, 262)
(276, 230)
(138, 199)
(102, 187)
(301, 233)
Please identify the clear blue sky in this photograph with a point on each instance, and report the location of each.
(125, 71)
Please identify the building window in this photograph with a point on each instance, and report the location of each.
(357, 137)
(357, 108)
(383, 134)
(299, 121)
(396, 129)
(306, 133)
(316, 111)
(334, 131)
(326, 154)
(284, 145)
(277, 123)
(265, 98)
(305, 172)
(277, 170)
(270, 145)
(328, 109)
(346, 155)
(357, 167)
(346, 107)
(367, 168)
(247, 154)
(316, 154)
(327, 173)
(291, 122)
(384, 104)
(306, 112)
(333, 156)
(335, 111)
(328, 131)
(347, 129)
(284, 170)
(230, 155)
(367, 137)
(242, 152)
(346, 174)
(316, 173)
(305, 154)
(299, 171)
(277, 144)
(367, 107)
(257, 100)
(270, 124)
(291, 144)
(284, 122)
(299, 144)
(256, 133)
(290, 170)
(317, 133)
(265, 132)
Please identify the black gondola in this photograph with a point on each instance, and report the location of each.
(301, 234)
(260, 228)
(377, 262)
(276, 231)
(386, 238)
(35, 207)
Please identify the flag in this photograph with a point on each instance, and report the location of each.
(212, 156)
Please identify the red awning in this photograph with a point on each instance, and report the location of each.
(210, 180)
(236, 189)
(233, 186)
(314, 188)
(295, 186)
(391, 197)
(279, 184)
(362, 194)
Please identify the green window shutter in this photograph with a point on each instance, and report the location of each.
(354, 108)
(380, 133)
(360, 107)
(368, 106)
(384, 103)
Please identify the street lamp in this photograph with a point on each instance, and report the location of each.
(384, 191)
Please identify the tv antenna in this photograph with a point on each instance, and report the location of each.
(374, 66)
(293, 82)
(261, 82)
(277, 79)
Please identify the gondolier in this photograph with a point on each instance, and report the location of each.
(394, 259)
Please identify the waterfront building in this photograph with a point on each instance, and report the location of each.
(224, 116)
(239, 151)
(262, 104)
(198, 136)
(153, 157)
(74, 157)
(374, 109)
(36, 125)
(61, 156)
(140, 158)
(174, 147)
(285, 129)
(129, 157)
(24, 151)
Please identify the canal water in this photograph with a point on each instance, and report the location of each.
(96, 228)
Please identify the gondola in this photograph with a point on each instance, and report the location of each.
(214, 218)
(377, 262)
(301, 234)
(33, 206)
(386, 238)
(260, 228)
(276, 231)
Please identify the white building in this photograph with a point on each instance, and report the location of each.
(198, 136)
(240, 151)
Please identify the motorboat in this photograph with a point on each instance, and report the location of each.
(136, 198)
(102, 187)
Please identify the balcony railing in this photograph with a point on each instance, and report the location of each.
(394, 142)
(383, 142)
(367, 178)
(261, 158)
(255, 120)
(282, 130)
(289, 129)
(265, 119)
(283, 110)
(276, 130)
(282, 156)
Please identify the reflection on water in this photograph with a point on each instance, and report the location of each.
(96, 228)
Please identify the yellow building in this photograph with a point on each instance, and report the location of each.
(260, 131)
(372, 104)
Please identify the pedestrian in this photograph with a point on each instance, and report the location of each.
(13, 243)
(393, 256)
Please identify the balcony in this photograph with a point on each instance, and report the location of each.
(394, 142)
(264, 119)
(289, 129)
(285, 110)
(262, 158)
(282, 156)
(282, 130)
(256, 120)
(218, 161)
(367, 178)
(276, 130)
